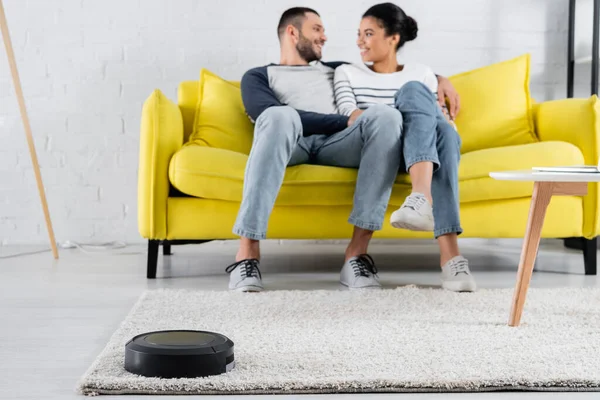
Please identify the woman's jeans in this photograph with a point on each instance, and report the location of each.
(428, 136)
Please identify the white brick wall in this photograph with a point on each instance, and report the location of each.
(87, 66)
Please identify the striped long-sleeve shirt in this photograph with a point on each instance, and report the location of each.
(358, 87)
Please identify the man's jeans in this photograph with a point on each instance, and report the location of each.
(371, 142)
(428, 136)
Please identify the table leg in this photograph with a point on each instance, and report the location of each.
(542, 193)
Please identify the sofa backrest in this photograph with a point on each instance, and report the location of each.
(187, 97)
(495, 105)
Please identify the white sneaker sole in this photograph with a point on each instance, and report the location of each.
(346, 286)
(466, 286)
(247, 289)
(411, 222)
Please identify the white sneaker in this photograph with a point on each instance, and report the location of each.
(244, 276)
(457, 277)
(415, 214)
(360, 273)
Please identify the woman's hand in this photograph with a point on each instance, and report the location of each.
(445, 89)
(353, 117)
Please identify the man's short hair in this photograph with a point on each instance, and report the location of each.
(294, 16)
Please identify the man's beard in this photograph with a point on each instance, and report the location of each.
(306, 50)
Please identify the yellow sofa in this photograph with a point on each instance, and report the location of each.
(191, 192)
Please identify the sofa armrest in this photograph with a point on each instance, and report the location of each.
(576, 121)
(571, 120)
(160, 137)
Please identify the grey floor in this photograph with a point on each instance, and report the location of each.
(56, 316)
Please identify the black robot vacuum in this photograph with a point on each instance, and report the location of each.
(179, 354)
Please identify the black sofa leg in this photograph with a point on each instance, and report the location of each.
(153, 247)
(575, 243)
(152, 258)
(590, 255)
(166, 248)
(589, 248)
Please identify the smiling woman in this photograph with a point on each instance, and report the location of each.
(383, 31)
(386, 20)
(430, 143)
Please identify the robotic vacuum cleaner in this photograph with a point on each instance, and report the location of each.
(179, 354)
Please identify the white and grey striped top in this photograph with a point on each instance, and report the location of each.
(358, 87)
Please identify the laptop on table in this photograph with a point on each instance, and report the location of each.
(572, 169)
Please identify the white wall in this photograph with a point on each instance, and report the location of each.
(88, 65)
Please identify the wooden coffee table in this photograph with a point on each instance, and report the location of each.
(547, 184)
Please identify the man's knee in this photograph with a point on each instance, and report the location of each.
(280, 120)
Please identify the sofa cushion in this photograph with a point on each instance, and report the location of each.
(495, 105)
(212, 173)
(476, 185)
(220, 120)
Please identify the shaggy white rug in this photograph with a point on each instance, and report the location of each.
(400, 340)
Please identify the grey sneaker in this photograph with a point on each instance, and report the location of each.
(244, 276)
(415, 214)
(457, 277)
(360, 273)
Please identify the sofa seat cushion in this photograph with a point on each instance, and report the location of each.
(214, 173)
(475, 183)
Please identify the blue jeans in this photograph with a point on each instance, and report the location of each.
(428, 136)
(372, 144)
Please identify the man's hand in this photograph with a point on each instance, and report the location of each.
(446, 114)
(354, 116)
(445, 89)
